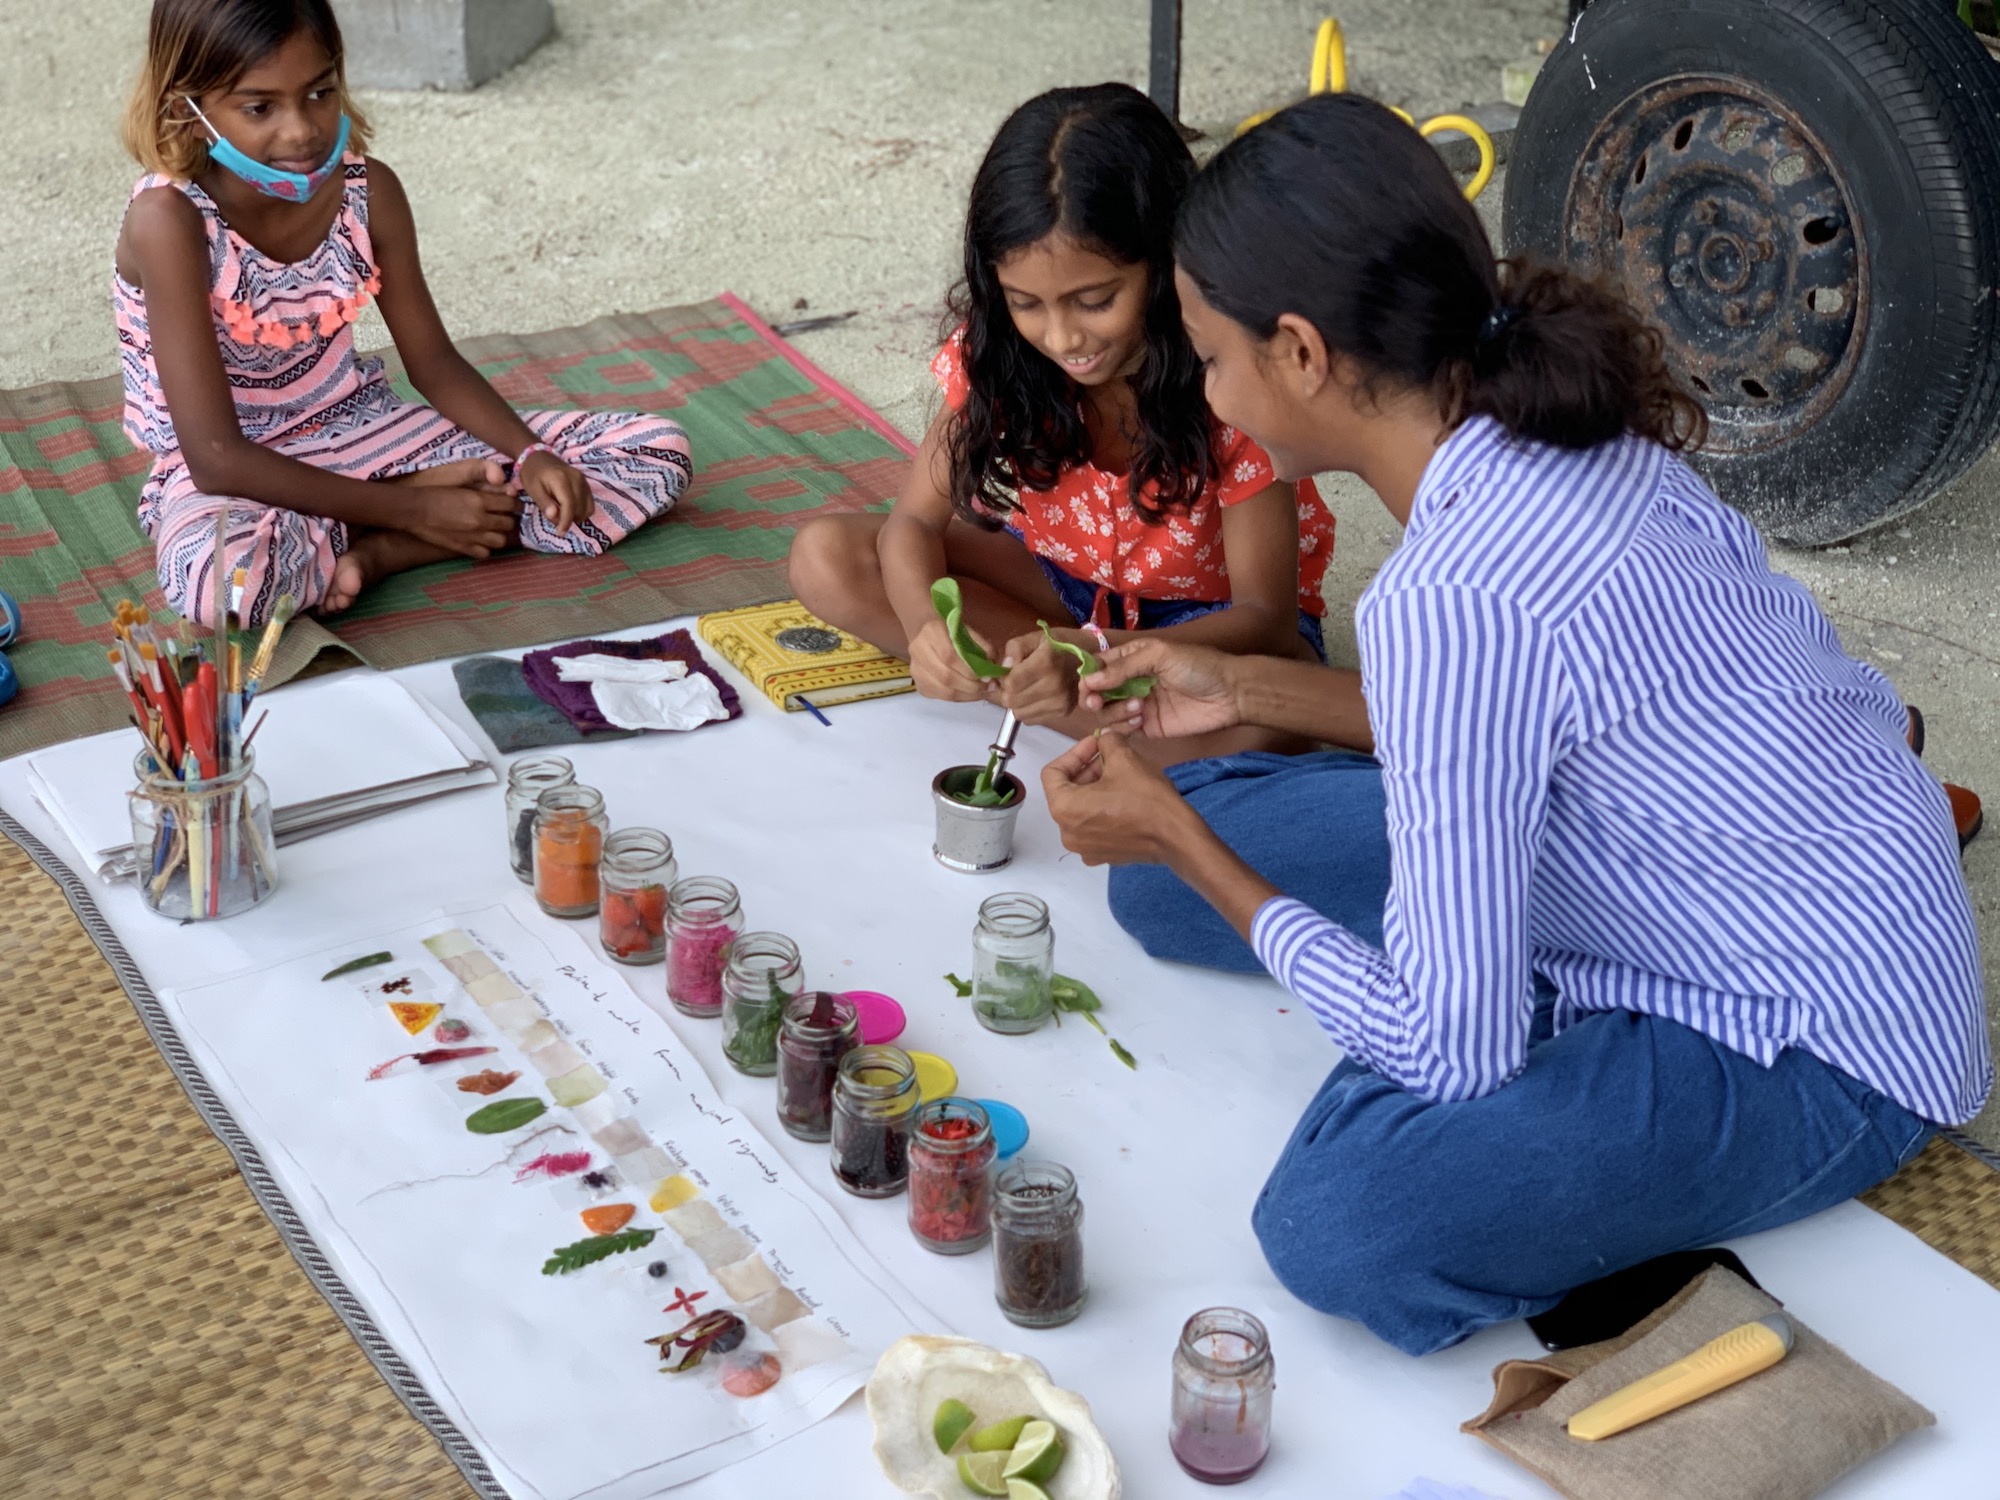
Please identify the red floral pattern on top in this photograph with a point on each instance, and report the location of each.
(1087, 526)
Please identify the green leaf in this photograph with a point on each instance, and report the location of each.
(597, 1247)
(963, 988)
(1074, 994)
(949, 603)
(1137, 687)
(1118, 1050)
(353, 964)
(1085, 662)
(503, 1115)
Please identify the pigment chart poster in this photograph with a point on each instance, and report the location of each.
(542, 1203)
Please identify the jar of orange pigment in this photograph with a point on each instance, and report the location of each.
(569, 847)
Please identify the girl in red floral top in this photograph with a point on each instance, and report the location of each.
(1076, 474)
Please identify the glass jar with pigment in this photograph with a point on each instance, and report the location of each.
(569, 849)
(819, 1029)
(637, 872)
(704, 916)
(761, 974)
(1223, 1380)
(1037, 1244)
(526, 781)
(1013, 963)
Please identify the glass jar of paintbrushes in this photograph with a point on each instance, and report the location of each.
(203, 844)
(201, 816)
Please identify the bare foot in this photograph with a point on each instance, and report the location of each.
(371, 555)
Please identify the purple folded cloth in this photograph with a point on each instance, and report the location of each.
(573, 699)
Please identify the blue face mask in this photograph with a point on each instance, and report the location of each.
(293, 187)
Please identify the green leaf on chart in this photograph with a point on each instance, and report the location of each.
(1123, 1056)
(366, 962)
(597, 1247)
(503, 1115)
(1137, 687)
(963, 988)
(949, 603)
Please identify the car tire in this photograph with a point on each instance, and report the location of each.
(1805, 196)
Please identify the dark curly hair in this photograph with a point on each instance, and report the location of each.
(1105, 167)
(1336, 210)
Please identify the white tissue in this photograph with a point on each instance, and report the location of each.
(686, 704)
(618, 669)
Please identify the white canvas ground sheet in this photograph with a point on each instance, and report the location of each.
(827, 832)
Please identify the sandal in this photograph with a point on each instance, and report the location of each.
(1967, 816)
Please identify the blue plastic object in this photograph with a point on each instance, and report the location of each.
(9, 683)
(10, 620)
(1010, 1126)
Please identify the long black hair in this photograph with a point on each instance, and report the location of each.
(1337, 211)
(1105, 167)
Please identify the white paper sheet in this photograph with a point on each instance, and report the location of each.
(827, 832)
(332, 747)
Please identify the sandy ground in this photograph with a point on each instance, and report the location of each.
(816, 156)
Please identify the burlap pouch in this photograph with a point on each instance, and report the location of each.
(1784, 1434)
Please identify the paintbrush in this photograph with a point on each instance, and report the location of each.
(267, 646)
(219, 602)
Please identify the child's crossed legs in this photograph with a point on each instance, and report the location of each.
(637, 465)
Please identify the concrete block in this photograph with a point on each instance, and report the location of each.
(438, 44)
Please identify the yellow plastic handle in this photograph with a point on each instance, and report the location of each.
(1480, 139)
(1737, 1355)
(1329, 69)
(1329, 76)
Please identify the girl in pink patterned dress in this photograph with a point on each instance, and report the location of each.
(247, 252)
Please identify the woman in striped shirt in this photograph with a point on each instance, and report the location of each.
(1675, 945)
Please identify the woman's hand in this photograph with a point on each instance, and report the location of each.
(1112, 807)
(1194, 687)
(559, 492)
(938, 671)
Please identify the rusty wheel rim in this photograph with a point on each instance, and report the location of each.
(1721, 217)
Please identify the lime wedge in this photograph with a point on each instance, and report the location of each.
(1038, 1453)
(1000, 1436)
(981, 1472)
(949, 1425)
(1025, 1489)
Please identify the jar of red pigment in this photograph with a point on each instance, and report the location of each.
(951, 1176)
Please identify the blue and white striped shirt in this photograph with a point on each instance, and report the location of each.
(1620, 752)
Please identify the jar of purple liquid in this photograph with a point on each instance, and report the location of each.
(704, 916)
(1223, 1379)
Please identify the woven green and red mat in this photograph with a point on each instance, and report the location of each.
(775, 443)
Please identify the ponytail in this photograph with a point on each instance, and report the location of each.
(1339, 212)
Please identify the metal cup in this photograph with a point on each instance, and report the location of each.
(974, 839)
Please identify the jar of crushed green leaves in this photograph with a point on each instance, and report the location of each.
(762, 972)
(1013, 962)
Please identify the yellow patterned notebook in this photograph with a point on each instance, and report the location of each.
(796, 659)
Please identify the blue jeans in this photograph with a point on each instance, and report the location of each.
(1625, 1137)
(1312, 825)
